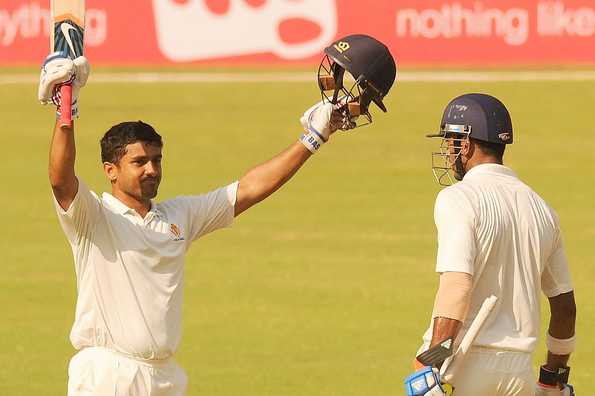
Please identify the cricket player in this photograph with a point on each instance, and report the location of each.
(129, 249)
(496, 236)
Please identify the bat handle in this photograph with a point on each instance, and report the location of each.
(66, 106)
(450, 366)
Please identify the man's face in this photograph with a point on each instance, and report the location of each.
(138, 173)
(457, 148)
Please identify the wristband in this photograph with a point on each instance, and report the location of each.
(560, 346)
(553, 378)
(312, 141)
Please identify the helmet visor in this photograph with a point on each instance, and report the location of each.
(338, 86)
(446, 162)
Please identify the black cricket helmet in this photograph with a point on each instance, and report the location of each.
(373, 69)
(479, 116)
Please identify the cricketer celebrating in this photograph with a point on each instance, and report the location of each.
(129, 249)
(497, 237)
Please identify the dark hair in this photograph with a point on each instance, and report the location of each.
(114, 142)
(493, 149)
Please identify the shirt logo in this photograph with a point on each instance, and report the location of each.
(175, 231)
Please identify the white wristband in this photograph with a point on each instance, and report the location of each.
(312, 141)
(560, 347)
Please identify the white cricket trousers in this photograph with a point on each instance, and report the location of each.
(494, 372)
(98, 371)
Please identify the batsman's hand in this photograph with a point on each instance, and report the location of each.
(319, 122)
(57, 70)
(545, 390)
(426, 382)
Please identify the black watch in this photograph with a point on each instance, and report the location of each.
(554, 378)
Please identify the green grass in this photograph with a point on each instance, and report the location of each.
(325, 288)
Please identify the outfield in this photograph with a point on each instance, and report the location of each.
(324, 289)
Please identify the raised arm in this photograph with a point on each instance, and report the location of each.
(61, 166)
(56, 71)
(264, 179)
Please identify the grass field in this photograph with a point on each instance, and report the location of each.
(323, 289)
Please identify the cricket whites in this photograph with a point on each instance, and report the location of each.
(66, 35)
(449, 367)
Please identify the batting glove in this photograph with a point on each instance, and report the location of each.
(319, 122)
(547, 390)
(426, 382)
(58, 70)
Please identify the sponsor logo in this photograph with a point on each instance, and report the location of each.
(193, 30)
(175, 231)
(457, 112)
(453, 20)
(30, 21)
(505, 137)
(447, 344)
(515, 25)
(66, 28)
(554, 18)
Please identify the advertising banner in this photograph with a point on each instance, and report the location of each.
(433, 33)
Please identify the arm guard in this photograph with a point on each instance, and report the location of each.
(453, 296)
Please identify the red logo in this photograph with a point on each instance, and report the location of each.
(193, 30)
(176, 232)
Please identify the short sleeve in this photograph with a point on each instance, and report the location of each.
(455, 224)
(211, 211)
(77, 222)
(555, 278)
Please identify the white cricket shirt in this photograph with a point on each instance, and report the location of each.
(493, 226)
(130, 270)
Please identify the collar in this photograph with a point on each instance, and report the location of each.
(491, 168)
(119, 207)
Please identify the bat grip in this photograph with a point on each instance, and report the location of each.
(66, 106)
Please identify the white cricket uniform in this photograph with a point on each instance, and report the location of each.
(130, 273)
(493, 226)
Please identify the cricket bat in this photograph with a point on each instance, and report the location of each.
(66, 35)
(449, 367)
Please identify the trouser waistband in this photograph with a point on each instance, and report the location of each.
(123, 355)
(493, 358)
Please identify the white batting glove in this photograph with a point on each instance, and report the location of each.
(318, 125)
(544, 390)
(58, 70)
